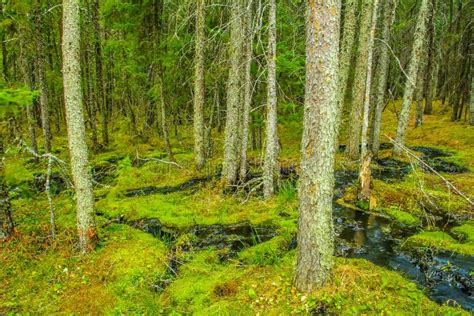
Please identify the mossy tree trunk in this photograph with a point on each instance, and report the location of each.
(247, 99)
(428, 90)
(414, 64)
(315, 225)
(345, 55)
(199, 92)
(358, 88)
(365, 155)
(232, 133)
(381, 72)
(75, 126)
(270, 167)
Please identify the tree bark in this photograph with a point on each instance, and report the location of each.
(381, 73)
(270, 168)
(365, 157)
(315, 225)
(199, 92)
(427, 90)
(75, 126)
(248, 49)
(232, 143)
(412, 73)
(358, 88)
(345, 56)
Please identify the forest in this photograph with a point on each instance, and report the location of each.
(237, 157)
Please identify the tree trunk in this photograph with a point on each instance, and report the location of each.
(412, 73)
(6, 221)
(471, 102)
(75, 126)
(427, 90)
(381, 73)
(42, 85)
(101, 104)
(345, 56)
(315, 225)
(271, 170)
(232, 143)
(358, 88)
(199, 92)
(364, 169)
(164, 122)
(25, 67)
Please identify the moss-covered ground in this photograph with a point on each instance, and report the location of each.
(126, 272)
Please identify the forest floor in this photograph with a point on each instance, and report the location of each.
(171, 242)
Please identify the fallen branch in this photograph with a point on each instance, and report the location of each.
(448, 183)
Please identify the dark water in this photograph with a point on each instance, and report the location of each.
(444, 276)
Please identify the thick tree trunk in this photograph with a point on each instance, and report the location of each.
(412, 73)
(270, 167)
(75, 126)
(381, 73)
(315, 224)
(358, 88)
(345, 56)
(232, 143)
(199, 92)
(364, 169)
(42, 84)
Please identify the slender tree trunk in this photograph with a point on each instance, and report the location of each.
(427, 90)
(232, 140)
(419, 96)
(271, 170)
(381, 72)
(25, 62)
(471, 102)
(164, 122)
(248, 49)
(413, 66)
(101, 104)
(365, 155)
(75, 126)
(199, 92)
(6, 221)
(42, 84)
(315, 225)
(358, 88)
(345, 56)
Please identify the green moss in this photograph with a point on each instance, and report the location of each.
(466, 231)
(268, 252)
(439, 240)
(402, 217)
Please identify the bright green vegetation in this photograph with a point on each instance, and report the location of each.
(439, 240)
(127, 271)
(466, 231)
(402, 217)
